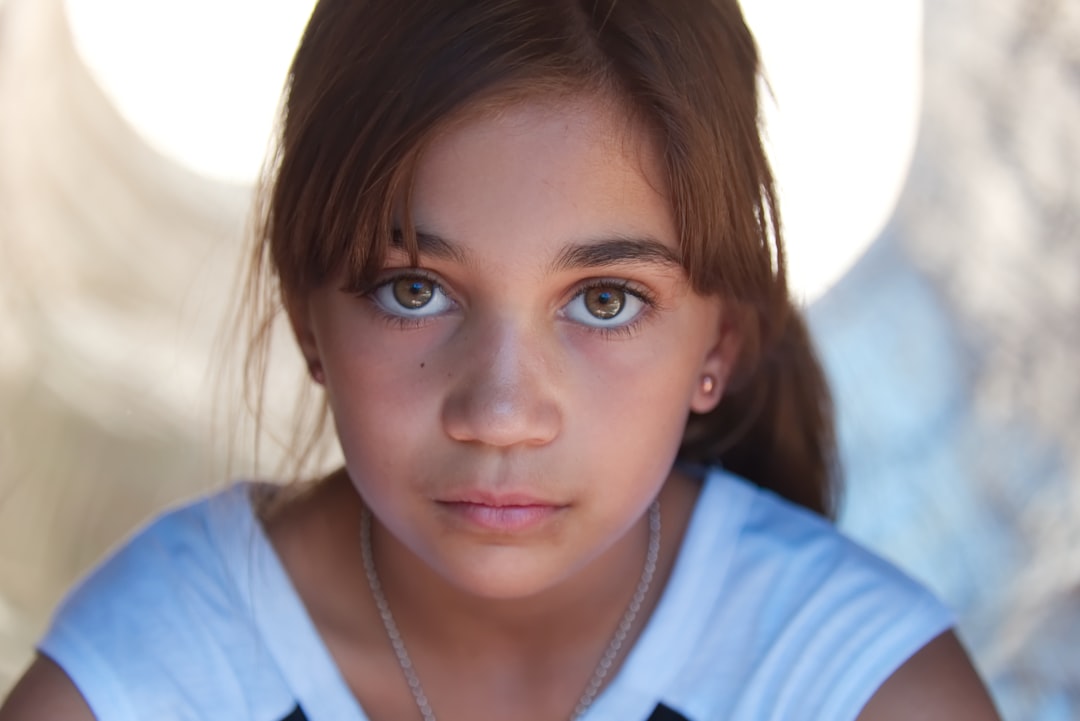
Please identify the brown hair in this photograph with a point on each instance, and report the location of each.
(373, 81)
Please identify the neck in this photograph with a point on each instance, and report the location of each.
(607, 660)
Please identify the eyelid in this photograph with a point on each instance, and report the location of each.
(639, 293)
(627, 286)
(399, 313)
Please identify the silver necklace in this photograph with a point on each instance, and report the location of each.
(602, 668)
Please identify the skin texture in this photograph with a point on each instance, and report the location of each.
(503, 388)
(935, 684)
(500, 389)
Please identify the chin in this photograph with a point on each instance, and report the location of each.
(508, 574)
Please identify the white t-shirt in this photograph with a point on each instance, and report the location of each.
(769, 614)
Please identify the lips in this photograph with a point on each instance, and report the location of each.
(496, 500)
(502, 512)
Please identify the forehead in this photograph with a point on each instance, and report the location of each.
(543, 173)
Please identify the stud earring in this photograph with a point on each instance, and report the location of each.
(708, 384)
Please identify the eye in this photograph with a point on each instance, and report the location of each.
(606, 304)
(415, 296)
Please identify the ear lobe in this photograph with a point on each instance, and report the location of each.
(716, 370)
(299, 313)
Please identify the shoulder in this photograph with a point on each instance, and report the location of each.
(800, 622)
(168, 612)
(45, 692)
(160, 570)
(938, 683)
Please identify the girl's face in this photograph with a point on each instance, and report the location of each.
(509, 408)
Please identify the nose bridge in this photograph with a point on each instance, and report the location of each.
(504, 394)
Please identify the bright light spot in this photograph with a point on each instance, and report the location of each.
(199, 80)
(847, 79)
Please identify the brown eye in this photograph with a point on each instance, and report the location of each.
(412, 296)
(413, 293)
(604, 303)
(607, 305)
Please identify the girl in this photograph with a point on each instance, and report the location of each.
(531, 251)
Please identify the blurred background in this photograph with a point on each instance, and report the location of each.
(929, 162)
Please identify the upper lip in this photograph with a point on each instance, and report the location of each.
(497, 499)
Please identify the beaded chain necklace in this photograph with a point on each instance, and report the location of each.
(596, 681)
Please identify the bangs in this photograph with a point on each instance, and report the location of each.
(374, 83)
(353, 133)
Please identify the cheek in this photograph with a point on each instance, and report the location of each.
(380, 388)
(359, 350)
(638, 392)
(625, 421)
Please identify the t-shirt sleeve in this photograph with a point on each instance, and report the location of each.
(154, 632)
(867, 635)
(839, 621)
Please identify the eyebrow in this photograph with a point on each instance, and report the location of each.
(432, 245)
(595, 254)
(616, 251)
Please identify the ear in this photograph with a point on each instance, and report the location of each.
(717, 367)
(298, 310)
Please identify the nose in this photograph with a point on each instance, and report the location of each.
(505, 395)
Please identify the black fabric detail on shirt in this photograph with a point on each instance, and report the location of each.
(664, 713)
(296, 715)
(660, 713)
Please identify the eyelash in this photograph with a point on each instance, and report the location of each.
(625, 330)
(396, 320)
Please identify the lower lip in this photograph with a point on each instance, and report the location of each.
(502, 519)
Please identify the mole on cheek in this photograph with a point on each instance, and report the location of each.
(422, 364)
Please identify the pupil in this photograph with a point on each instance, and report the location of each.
(413, 293)
(604, 303)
